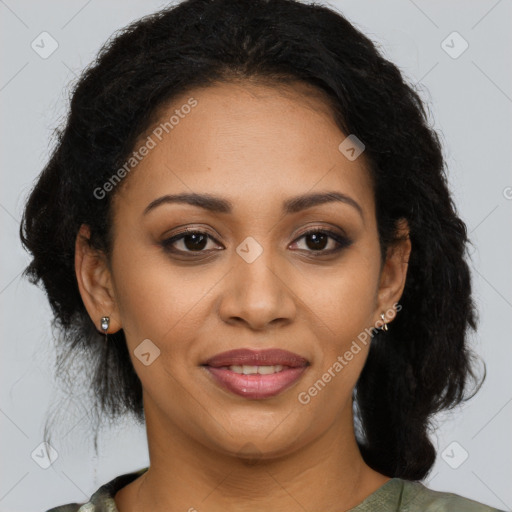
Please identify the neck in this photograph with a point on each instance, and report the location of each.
(328, 474)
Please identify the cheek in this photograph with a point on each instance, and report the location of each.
(156, 299)
(343, 305)
(344, 297)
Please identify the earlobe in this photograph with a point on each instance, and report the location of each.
(95, 281)
(394, 272)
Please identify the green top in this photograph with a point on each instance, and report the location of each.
(396, 495)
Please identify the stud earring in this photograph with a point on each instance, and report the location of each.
(105, 322)
(384, 324)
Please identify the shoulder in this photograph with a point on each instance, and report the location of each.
(103, 498)
(416, 497)
(70, 507)
(74, 507)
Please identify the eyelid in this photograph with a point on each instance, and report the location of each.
(322, 229)
(341, 239)
(167, 242)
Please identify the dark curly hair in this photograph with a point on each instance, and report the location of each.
(423, 364)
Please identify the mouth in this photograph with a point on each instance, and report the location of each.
(256, 374)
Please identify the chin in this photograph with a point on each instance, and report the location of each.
(253, 441)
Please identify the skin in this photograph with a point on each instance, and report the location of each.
(255, 145)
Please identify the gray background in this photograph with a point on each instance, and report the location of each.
(470, 98)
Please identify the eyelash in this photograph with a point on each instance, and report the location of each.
(342, 241)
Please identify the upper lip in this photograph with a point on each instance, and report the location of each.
(267, 357)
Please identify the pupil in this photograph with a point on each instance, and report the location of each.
(199, 241)
(318, 241)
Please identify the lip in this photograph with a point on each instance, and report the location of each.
(256, 386)
(267, 357)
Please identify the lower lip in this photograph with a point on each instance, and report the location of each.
(256, 386)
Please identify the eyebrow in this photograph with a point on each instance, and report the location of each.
(220, 205)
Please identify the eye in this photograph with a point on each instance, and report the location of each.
(316, 241)
(188, 241)
(194, 241)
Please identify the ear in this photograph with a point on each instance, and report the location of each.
(393, 274)
(95, 281)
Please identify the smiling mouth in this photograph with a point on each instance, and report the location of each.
(256, 374)
(255, 370)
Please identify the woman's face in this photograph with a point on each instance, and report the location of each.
(249, 278)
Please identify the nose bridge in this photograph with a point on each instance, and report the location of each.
(257, 291)
(256, 272)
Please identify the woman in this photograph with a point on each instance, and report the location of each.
(246, 230)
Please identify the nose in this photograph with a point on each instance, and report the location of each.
(258, 294)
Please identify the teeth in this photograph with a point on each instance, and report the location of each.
(251, 370)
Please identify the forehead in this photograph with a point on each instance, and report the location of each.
(251, 142)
